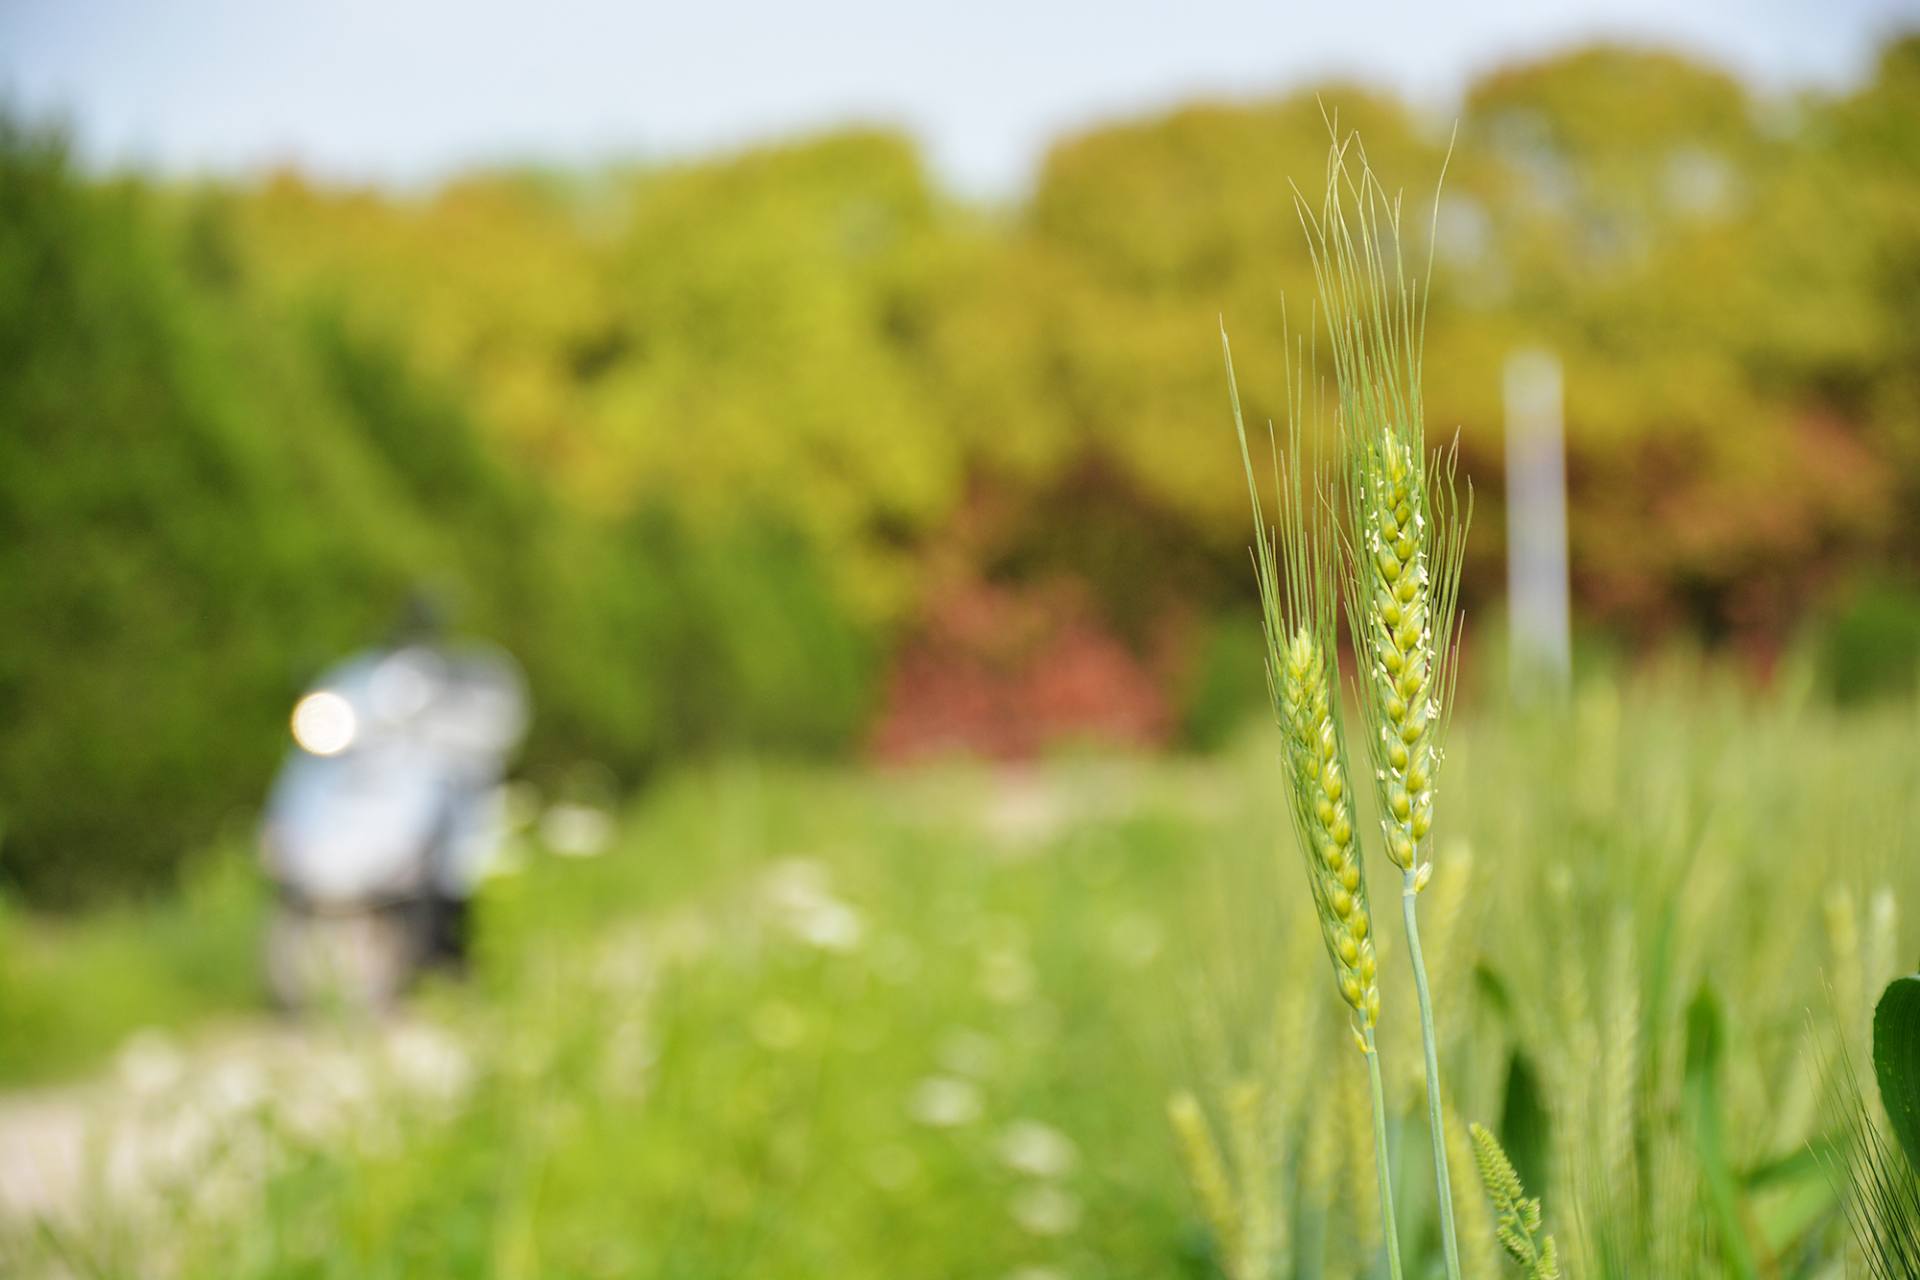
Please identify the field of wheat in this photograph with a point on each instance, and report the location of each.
(930, 1023)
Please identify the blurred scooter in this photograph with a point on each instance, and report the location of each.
(384, 817)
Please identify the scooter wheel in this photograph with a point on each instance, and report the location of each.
(359, 961)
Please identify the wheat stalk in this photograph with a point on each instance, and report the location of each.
(1247, 1139)
(1206, 1173)
(1404, 540)
(1235, 1197)
(1299, 620)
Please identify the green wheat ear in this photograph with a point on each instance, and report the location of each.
(1206, 1171)
(1233, 1200)
(1405, 537)
(1406, 528)
(1406, 585)
(1519, 1230)
(1298, 617)
(1298, 611)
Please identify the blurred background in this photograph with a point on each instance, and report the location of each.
(802, 392)
(831, 409)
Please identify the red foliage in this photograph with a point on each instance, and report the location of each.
(1008, 672)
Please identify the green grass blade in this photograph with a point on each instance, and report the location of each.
(1706, 1046)
(1896, 1060)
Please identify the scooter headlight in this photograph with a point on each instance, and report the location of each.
(324, 723)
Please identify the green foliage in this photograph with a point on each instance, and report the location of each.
(1871, 647)
(796, 382)
(743, 335)
(671, 1079)
(203, 500)
(1224, 686)
(184, 522)
(1706, 1037)
(71, 992)
(1876, 1174)
(1896, 1061)
(1525, 1125)
(744, 641)
(1882, 1193)
(809, 328)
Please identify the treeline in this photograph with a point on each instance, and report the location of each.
(207, 494)
(708, 445)
(1733, 283)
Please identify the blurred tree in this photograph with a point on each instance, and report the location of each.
(1652, 225)
(706, 443)
(807, 332)
(206, 495)
(176, 539)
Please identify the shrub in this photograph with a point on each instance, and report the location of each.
(206, 496)
(1871, 647)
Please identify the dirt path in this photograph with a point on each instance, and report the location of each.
(194, 1107)
(180, 1107)
(173, 1107)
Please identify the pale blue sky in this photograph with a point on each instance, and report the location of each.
(405, 90)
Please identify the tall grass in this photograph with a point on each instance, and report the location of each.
(1620, 1105)
(760, 1105)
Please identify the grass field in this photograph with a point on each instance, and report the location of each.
(834, 1023)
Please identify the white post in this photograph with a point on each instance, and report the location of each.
(1537, 592)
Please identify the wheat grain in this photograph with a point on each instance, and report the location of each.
(1408, 666)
